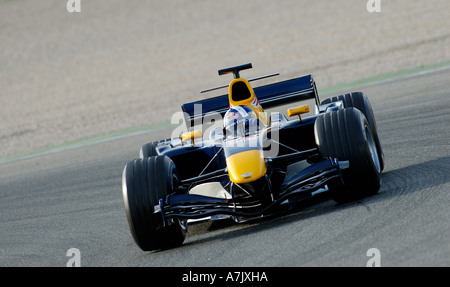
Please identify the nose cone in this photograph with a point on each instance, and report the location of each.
(246, 166)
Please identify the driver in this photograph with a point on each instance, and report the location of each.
(241, 121)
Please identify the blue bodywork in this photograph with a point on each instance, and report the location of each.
(205, 161)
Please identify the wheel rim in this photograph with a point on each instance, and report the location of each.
(373, 150)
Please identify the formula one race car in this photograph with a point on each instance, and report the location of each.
(254, 163)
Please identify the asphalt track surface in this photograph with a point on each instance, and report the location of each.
(73, 199)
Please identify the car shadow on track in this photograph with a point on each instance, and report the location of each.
(417, 177)
(230, 230)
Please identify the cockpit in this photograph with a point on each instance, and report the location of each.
(241, 121)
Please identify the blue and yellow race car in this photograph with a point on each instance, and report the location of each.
(253, 163)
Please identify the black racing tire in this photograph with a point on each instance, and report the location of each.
(360, 101)
(148, 150)
(144, 183)
(346, 135)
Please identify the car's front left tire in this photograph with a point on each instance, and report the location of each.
(144, 183)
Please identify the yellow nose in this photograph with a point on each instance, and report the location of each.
(246, 166)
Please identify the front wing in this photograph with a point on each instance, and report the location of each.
(300, 187)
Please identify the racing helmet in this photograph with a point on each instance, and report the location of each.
(240, 121)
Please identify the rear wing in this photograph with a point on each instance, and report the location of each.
(269, 96)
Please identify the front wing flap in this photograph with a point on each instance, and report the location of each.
(193, 206)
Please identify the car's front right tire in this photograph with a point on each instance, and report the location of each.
(347, 136)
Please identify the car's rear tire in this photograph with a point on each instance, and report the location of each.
(360, 101)
(346, 135)
(144, 182)
(148, 150)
